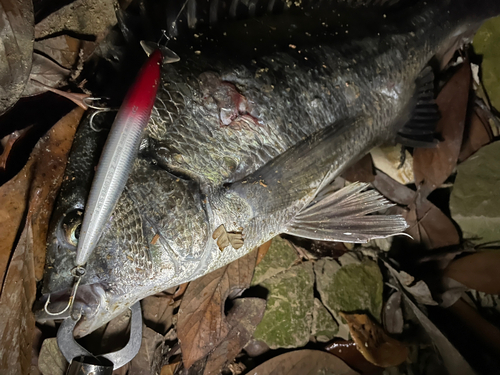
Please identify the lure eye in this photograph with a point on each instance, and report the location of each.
(71, 226)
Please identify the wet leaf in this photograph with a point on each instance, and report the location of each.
(63, 49)
(324, 327)
(372, 341)
(45, 73)
(16, 47)
(202, 324)
(361, 171)
(158, 312)
(280, 257)
(243, 318)
(427, 223)
(347, 351)
(304, 362)
(52, 361)
(479, 271)
(432, 166)
(392, 315)
(288, 317)
(148, 360)
(388, 160)
(74, 18)
(477, 134)
(475, 199)
(485, 43)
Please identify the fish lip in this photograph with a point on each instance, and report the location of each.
(90, 301)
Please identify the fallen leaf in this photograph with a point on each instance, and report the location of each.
(392, 315)
(262, 251)
(476, 135)
(16, 49)
(7, 143)
(479, 271)
(52, 361)
(63, 49)
(44, 73)
(242, 318)
(420, 291)
(475, 199)
(432, 166)
(361, 171)
(158, 312)
(388, 160)
(201, 322)
(148, 360)
(288, 317)
(169, 369)
(347, 351)
(304, 362)
(372, 341)
(427, 223)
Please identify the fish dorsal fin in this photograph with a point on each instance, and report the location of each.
(344, 216)
(420, 130)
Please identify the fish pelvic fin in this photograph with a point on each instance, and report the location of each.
(345, 215)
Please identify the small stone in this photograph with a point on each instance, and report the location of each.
(324, 327)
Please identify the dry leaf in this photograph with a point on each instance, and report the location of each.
(44, 73)
(476, 135)
(16, 47)
(361, 171)
(347, 351)
(51, 361)
(372, 341)
(262, 251)
(432, 166)
(392, 315)
(148, 360)
(169, 369)
(304, 362)
(158, 312)
(63, 49)
(245, 315)
(7, 143)
(479, 271)
(202, 324)
(388, 160)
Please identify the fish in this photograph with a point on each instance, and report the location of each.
(248, 132)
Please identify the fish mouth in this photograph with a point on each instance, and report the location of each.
(90, 301)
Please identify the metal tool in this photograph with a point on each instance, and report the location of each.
(82, 362)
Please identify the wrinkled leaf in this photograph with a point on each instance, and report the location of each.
(288, 317)
(388, 160)
(347, 351)
(45, 74)
(148, 360)
(432, 166)
(202, 324)
(477, 134)
(74, 18)
(420, 291)
(427, 223)
(361, 171)
(392, 315)
(479, 271)
(63, 49)
(304, 362)
(324, 327)
(372, 341)
(52, 361)
(243, 318)
(16, 47)
(475, 199)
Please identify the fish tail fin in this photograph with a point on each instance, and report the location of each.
(292, 193)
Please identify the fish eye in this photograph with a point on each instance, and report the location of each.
(71, 226)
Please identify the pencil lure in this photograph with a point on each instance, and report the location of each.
(120, 151)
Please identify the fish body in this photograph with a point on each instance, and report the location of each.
(241, 147)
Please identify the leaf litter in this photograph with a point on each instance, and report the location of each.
(290, 294)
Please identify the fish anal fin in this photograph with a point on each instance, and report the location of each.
(420, 129)
(344, 216)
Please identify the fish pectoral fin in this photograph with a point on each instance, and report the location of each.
(344, 216)
(225, 238)
(420, 130)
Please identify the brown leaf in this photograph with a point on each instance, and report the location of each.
(44, 73)
(52, 361)
(202, 324)
(63, 49)
(477, 134)
(304, 362)
(44, 174)
(479, 271)
(346, 350)
(147, 361)
(372, 341)
(245, 315)
(7, 143)
(392, 315)
(432, 166)
(427, 223)
(158, 312)
(262, 251)
(361, 171)
(17, 47)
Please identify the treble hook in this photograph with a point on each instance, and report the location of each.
(98, 109)
(78, 273)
